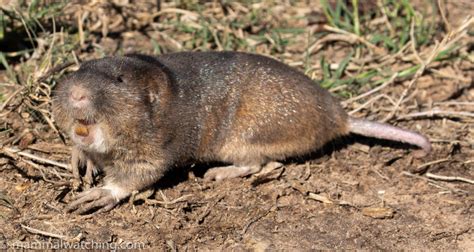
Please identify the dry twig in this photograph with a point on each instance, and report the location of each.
(52, 235)
(12, 152)
(449, 178)
(422, 168)
(437, 112)
(435, 183)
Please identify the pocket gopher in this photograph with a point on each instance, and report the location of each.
(138, 116)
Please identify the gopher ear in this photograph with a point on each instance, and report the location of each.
(158, 86)
(154, 73)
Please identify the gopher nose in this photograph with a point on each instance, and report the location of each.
(79, 97)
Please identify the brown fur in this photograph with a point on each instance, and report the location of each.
(157, 113)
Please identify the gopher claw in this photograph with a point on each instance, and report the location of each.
(96, 198)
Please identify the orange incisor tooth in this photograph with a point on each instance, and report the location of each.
(81, 130)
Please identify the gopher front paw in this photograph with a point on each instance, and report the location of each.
(102, 199)
(79, 161)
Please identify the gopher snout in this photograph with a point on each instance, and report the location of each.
(79, 97)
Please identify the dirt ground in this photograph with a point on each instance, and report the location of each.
(357, 193)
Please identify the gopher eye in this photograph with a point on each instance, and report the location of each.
(119, 79)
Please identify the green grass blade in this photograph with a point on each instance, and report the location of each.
(343, 66)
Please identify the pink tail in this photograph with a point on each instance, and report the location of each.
(388, 132)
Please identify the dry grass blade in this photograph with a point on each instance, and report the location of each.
(422, 168)
(442, 8)
(6, 201)
(448, 40)
(55, 70)
(369, 102)
(52, 235)
(438, 113)
(372, 91)
(353, 36)
(449, 178)
(435, 183)
(9, 98)
(12, 152)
